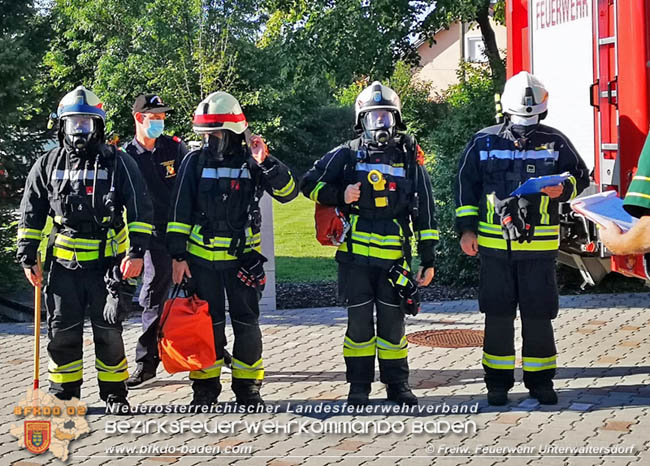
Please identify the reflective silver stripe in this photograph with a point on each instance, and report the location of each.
(516, 154)
(223, 172)
(78, 174)
(382, 168)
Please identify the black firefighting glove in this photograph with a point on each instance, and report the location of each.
(402, 279)
(513, 225)
(527, 212)
(251, 271)
(120, 295)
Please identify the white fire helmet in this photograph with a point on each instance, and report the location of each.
(377, 97)
(524, 95)
(218, 111)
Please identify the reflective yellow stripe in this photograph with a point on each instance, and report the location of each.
(534, 245)
(641, 178)
(467, 211)
(116, 373)
(81, 256)
(499, 362)
(314, 194)
(241, 370)
(372, 244)
(71, 372)
(371, 251)
(352, 349)
(29, 233)
(489, 228)
(543, 210)
(140, 227)
(214, 256)
(212, 372)
(547, 231)
(647, 196)
(427, 234)
(177, 227)
(574, 193)
(78, 243)
(288, 188)
(539, 364)
(489, 203)
(387, 350)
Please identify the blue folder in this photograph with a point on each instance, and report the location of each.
(604, 206)
(535, 185)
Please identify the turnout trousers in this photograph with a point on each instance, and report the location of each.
(365, 289)
(531, 286)
(156, 282)
(243, 305)
(70, 295)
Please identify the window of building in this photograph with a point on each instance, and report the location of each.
(475, 50)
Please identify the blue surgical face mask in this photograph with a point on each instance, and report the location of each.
(155, 128)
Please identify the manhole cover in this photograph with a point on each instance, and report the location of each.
(456, 338)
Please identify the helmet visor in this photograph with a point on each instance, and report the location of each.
(79, 125)
(378, 119)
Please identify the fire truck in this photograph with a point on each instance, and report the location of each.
(593, 57)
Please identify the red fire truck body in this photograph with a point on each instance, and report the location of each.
(594, 58)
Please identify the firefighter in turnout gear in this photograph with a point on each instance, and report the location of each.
(213, 235)
(380, 182)
(159, 157)
(517, 238)
(85, 185)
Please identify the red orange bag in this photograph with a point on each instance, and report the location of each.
(331, 225)
(185, 338)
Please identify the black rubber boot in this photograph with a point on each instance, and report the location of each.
(205, 394)
(140, 376)
(117, 404)
(497, 397)
(247, 392)
(358, 395)
(401, 394)
(545, 395)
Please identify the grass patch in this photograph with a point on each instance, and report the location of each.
(298, 256)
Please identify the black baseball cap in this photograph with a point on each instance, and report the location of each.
(149, 103)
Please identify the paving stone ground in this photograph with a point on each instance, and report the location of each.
(603, 383)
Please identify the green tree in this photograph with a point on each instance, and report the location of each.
(446, 12)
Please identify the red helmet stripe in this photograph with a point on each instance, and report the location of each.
(219, 118)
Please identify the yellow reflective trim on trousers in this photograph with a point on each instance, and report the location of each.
(427, 235)
(212, 372)
(499, 362)
(543, 210)
(313, 195)
(70, 372)
(241, 370)
(467, 211)
(116, 373)
(140, 227)
(534, 245)
(387, 350)
(288, 188)
(353, 349)
(489, 204)
(29, 233)
(574, 193)
(539, 364)
(641, 178)
(177, 227)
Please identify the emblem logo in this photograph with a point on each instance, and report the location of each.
(169, 167)
(376, 96)
(530, 168)
(37, 436)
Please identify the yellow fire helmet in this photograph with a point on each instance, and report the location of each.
(217, 111)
